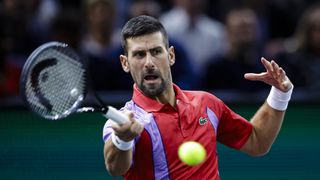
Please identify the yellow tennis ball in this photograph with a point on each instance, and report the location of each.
(191, 153)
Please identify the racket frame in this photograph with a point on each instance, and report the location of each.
(108, 111)
(25, 75)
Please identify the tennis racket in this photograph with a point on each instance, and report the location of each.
(54, 84)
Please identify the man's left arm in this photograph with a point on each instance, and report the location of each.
(268, 119)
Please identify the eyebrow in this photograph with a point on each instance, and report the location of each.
(139, 50)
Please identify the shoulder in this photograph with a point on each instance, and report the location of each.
(202, 95)
(205, 101)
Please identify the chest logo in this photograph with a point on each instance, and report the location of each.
(203, 121)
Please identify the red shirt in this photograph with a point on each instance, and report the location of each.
(199, 116)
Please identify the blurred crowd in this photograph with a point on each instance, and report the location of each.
(215, 41)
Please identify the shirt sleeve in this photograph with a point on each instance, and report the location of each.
(142, 118)
(107, 128)
(107, 131)
(233, 129)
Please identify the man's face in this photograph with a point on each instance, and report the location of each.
(149, 62)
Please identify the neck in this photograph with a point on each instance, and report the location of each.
(167, 97)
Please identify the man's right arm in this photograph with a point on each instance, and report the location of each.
(117, 161)
(118, 148)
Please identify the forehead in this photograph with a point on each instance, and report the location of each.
(145, 42)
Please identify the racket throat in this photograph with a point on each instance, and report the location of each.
(103, 110)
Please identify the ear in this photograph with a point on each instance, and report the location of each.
(172, 56)
(124, 63)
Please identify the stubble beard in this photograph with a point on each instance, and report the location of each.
(153, 90)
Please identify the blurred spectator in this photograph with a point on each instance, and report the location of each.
(101, 48)
(144, 7)
(26, 23)
(279, 16)
(243, 54)
(220, 8)
(67, 27)
(282, 19)
(2, 78)
(42, 12)
(9, 78)
(14, 26)
(18, 40)
(189, 25)
(182, 69)
(121, 12)
(9, 71)
(302, 56)
(283, 16)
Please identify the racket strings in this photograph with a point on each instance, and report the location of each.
(62, 85)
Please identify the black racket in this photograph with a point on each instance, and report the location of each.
(54, 84)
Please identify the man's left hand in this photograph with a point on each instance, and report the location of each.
(274, 76)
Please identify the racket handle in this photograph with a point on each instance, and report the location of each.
(116, 116)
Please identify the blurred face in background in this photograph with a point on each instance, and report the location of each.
(314, 32)
(193, 7)
(242, 27)
(101, 15)
(144, 7)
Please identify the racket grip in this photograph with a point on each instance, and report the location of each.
(116, 116)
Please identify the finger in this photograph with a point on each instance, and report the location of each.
(116, 127)
(255, 76)
(286, 83)
(275, 72)
(266, 64)
(120, 129)
(137, 128)
(275, 67)
(137, 124)
(131, 116)
(282, 74)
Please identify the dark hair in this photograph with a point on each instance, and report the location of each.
(142, 25)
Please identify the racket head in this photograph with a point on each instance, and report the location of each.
(53, 81)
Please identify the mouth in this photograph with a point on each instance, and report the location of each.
(150, 78)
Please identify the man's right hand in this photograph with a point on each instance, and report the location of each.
(129, 130)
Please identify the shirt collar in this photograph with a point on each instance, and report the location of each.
(151, 105)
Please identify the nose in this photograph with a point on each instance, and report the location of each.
(149, 64)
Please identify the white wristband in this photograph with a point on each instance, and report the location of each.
(120, 144)
(279, 100)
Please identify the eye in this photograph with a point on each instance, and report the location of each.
(156, 51)
(139, 54)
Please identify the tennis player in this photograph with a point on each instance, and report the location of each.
(162, 116)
